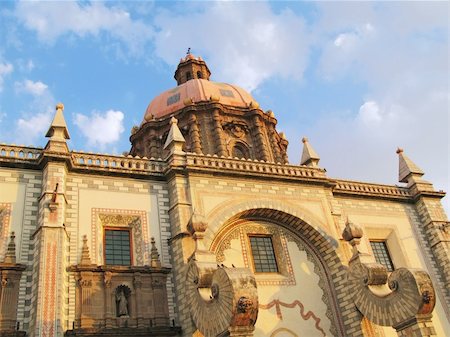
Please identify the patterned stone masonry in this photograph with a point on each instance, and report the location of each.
(137, 186)
(32, 181)
(434, 232)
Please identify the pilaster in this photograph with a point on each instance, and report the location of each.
(51, 238)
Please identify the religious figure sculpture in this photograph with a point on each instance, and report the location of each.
(122, 304)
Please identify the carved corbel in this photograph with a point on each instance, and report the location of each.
(226, 296)
(400, 300)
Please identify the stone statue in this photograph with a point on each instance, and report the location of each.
(122, 304)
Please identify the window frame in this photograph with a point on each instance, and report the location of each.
(386, 251)
(122, 229)
(278, 270)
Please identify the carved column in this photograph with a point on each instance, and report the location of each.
(258, 134)
(195, 134)
(153, 148)
(84, 288)
(109, 305)
(159, 299)
(137, 282)
(218, 134)
(275, 146)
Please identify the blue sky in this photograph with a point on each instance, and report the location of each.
(358, 78)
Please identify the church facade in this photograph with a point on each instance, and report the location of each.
(206, 229)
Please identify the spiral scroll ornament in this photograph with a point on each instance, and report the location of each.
(221, 299)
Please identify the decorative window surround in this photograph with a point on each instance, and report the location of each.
(133, 219)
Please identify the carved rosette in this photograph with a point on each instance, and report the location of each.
(221, 299)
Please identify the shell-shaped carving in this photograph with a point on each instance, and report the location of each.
(225, 296)
(412, 294)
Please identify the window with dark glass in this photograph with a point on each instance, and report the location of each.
(263, 254)
(199, 74)
(117, 247)
(173, 99)
(381, 254)
(188, 75)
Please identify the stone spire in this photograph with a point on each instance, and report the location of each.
(175, 139)
(154, 255)
(309, 156)
(58, 128)
(85, 256)
(407, 169)
(58, 132)
(10, 256)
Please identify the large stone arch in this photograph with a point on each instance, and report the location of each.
(223, 214)
(345, 317)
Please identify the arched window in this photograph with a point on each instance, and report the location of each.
(240, 151)
(199, 74)
(188, 76)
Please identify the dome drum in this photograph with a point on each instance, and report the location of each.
(212, 128)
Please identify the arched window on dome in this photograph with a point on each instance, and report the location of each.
(240, 151)
(199, 74)
(188, 76)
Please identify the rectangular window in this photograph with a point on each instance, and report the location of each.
(381, 254)
(173, 99)
(117, 247)
(263, 254)
(226, 93)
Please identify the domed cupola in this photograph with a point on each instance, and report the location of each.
(190, 68)
(215, 118)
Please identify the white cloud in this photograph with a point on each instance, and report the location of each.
(245, 43)
(33, 88)
(404, 67)
(5, 69)
(30, 128)
(101, 128)
(52, 20)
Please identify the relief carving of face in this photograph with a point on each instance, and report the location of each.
(244, 304)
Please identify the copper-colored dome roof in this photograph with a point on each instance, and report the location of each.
(197, 90)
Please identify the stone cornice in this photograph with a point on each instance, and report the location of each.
(143, 168)
(119, 269)
(358, 188)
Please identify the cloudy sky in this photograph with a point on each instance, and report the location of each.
(358, 78)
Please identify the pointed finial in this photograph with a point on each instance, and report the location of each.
(58, 128)
(85, 256)
(407, 170)
(174, 137)
(309, 156)
(10, 256)
(188, 51)
(59, 106)
(155, 262)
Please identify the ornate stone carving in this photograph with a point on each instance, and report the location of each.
(236, 129)
(411, 291)
(221, 300)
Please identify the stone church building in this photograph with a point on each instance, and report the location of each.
(206, 229)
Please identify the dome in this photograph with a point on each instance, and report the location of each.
(197, 90)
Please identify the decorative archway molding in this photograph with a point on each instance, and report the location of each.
(315, 240)
(234, 210)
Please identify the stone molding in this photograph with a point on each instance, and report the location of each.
(18, 156)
